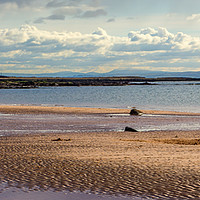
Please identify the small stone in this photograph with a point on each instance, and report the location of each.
(57, 140)
(135, 112)
(130, 129)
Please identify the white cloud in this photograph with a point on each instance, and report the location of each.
(161, 39)
(14, 53)
(154, 48)
(194, 17)
(100, 31)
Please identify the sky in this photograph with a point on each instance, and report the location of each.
(99, 35)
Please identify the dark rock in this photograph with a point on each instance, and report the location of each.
(130, 129)
(57, 140)
(135, 112)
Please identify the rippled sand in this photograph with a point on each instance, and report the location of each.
(113, 163)
(157, 164)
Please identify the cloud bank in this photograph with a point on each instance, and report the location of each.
(73, 8)
(30, 50)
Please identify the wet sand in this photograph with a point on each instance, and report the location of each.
(154, 164)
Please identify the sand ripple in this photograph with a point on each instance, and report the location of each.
(108, 163)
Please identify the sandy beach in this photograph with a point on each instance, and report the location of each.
(155, 164)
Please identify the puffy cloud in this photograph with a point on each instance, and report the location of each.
(100, 31)
(161, 39)
(150, 48)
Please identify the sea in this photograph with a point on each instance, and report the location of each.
(172, 96)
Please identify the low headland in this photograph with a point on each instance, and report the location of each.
(148, 164)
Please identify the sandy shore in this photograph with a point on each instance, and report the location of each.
(57, 110)
(157, 164)
(21, 109)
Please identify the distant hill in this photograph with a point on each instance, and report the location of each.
(57, 74)
(153, 74)
(116, 72)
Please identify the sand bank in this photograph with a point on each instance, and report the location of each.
(59, 110)
(22, 109)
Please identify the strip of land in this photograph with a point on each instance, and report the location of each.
(33, 82)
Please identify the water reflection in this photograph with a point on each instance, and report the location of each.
(55, 123)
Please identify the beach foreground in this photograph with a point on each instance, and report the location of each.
(154, 164)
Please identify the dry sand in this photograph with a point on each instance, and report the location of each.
(159, 164)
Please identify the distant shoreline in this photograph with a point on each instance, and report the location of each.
(34, 82)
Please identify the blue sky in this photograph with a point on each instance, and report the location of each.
(99, 35)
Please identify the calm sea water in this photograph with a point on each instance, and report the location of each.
(175, 96)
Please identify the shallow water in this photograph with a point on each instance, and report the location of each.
(12, 193)
(175, 96)
(58, 123)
